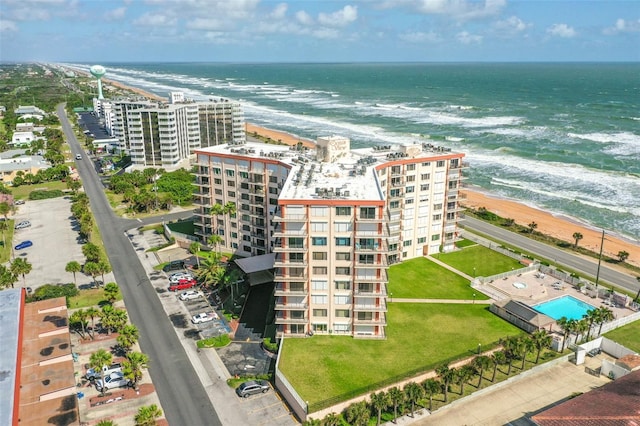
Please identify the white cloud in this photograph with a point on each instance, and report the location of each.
(208, 24)
(304, 18)
(512, 25)
(115, 14)
(280, 11)
(7, 26)
(420, 37)
(460, 10)
(623, 26)
(561, 30)
(154, 20)
(339, 18)
(465, 37)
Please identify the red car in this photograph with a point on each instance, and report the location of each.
(183, 285)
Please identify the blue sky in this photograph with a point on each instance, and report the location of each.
(318, 31)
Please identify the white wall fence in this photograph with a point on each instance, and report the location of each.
(619, 322)
(295, 401)
(490, 244)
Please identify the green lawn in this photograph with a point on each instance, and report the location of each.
(465, 243)
(421, 278)
(89, 297)
(7, 242)
(419, 337)
(628, 336)
(485, 261)
(22, 192)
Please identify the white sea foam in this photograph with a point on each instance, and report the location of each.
(621, 143)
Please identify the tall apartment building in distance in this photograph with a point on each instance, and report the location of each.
(335, 218)
(161, 134)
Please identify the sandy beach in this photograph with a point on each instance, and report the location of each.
(556, 226)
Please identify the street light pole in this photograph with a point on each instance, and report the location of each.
(599, 260)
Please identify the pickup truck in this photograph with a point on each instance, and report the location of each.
(93, 374)
(204, 317)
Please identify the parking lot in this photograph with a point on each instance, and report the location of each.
(55, 240)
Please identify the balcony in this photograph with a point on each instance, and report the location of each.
(372, 278)
(291, 306)
(290, 278)
(282, 320)
(289, 249)
(382, 292)
(382, 320)
(372, 264)
(370, 308)
(279, 263)
(289, 218)
(282, 290)
(375, 248)
(369, 335)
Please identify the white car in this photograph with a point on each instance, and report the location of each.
(191, 294)
(204, 317)
(112, 381)
(174, 278)
(23, 224)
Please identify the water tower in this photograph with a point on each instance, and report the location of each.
(98, 71)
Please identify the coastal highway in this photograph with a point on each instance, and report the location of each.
(578, 263)
(182, 396)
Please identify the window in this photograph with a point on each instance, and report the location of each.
(319, 284)
(231, 194)
(411, 167)
(246, 248)
(296, 257)
(437, 217)
(425, 176)
(440, 163)
(366, 259)
(367, 212)
(406, 243)
(424, 187)
(365, 316)
(343, 256)
(422, 240)
(342, 226)
(343, 211)
(296, 242)
(395, 170)
(243, 175)
(393, 247)
(319, 241)
(297, 328)
(234, 235)
(244, 186)
(230, 173)
(343, 270)
(437, 206)
(410, 189)
(343, 285)
(231, 183)
(319, 211)
(394, 205)
(342, 313)
(319, 299)
(319, 312)
(411, 178)
(435, 237)
(273, 179)
(319, 270)
(427, 164)
(296, 287)
(341, 300)
(244, 196)
(409, 201)
(319, 227)
(216, 171)
(218, 191)
(395, 192)
(319, 255)
(273, 201)
(246, 228)
(273, 190)
(340, 241)
(341, 328)
(320, 328)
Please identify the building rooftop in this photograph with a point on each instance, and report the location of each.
(350, 176)
(10, 306)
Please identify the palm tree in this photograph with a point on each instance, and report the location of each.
(5, 209)
(194, 248)
(581, 328)
(147, 415)
(498, 358)
(481, 363)
(91, 252)
(112, 318)
(446, 375)
(566, 325)
(111, 292)
(532, 226)
(93, 313)
(465, 373)
(229, 208)
(215, 240)
(576, 238)
(413, 392)
(73, 267)
(128, 337)
(332, 419)
(4, 226)
(98, 360)
(623, 255)
(106, 423)
(526, 346)
(431, 387)
(541, 340)
(132, 367)
(591, 317)
(21, 267)
(396, 396)
(7, 277)
(93, 269)
(606, 315)
(511, 347)
(380, 401)
(210, 274)
(357, 414)
(79, 317)
(104, 268)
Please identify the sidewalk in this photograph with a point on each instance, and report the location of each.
(452, 269)
(459, 301)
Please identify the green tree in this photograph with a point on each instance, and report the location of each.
(482, 363)
(431, 387)
(98, 360)
(332, 419)
(79, 317)
(357, 414)
(566, 325)
(580, 329)
(413, 393)
(4, 226)
(147, 415)
(21, 267)
(104, 267)
(541, 340)
(446, 375)
(128, 337)
(194, 249)
(73, 267)
(111, 292)
(7, 277)
(532, 227)
(106, 423)
(498, 358)
(5, 209)
(215, 240)
(623, 256)
(132, 367)
(210, 273)
(605, 315)
(113, 318)
(91, 252)
(465, 373)
(526, 346)
(511, 347)
(577, 236)
(380, 401)
(93, 269)
(397, 397)
(591, 317)
(93, 313)
(74, 185)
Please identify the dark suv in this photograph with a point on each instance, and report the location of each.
(252, 387)
(174, 265)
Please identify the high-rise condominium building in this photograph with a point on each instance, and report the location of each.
(335, 218)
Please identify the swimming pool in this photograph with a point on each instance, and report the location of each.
(565, 306)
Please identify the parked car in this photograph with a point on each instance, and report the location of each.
(174, 265)
(180, 276)
(252, 387)
(23, 224)
(93, 374)
(19, 202)
(182, 285)
(23, 245)
(191, 294)
(112, 381)
(204, 317)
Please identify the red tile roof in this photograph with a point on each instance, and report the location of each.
(615, 404)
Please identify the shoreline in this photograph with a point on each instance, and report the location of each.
(558, 226)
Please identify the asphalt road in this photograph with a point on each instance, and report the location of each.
(183, 398)
(586, 266)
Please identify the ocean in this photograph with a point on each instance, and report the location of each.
(564, 137)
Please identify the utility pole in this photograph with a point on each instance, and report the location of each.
(599, 260)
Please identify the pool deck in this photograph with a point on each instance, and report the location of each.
(541, 288)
